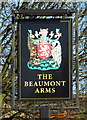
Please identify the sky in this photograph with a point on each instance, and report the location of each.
(42, 1)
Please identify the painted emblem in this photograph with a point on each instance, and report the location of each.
(44, 49)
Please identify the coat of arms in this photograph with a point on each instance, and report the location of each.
(45, 49)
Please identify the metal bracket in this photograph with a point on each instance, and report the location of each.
(45, 12)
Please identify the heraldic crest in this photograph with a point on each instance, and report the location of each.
(45, 49)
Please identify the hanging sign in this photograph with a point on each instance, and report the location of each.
(45, 71)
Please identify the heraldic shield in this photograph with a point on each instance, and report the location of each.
(45, 52)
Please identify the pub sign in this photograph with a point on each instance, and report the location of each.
(45, 59)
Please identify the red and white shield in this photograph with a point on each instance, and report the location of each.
(44, 50)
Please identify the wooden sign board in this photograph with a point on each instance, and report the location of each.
(45, 59)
